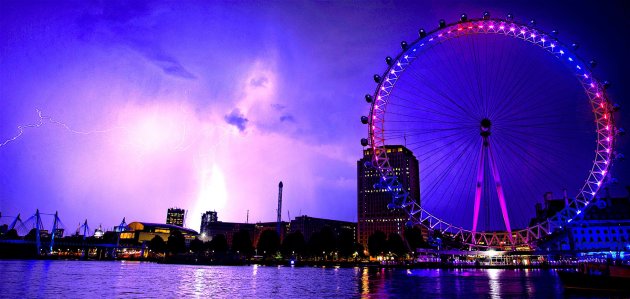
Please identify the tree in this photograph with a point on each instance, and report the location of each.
(413, 236)
(242, 243)
(11, 235)
(314, 246)
(329, 242)
(31, 236)
(396, 245)
(293, 243)
(157, 244)
(176, 242)
(196, 246)
(219, 243)
(345, 243)
(268, 243)
(377, 243)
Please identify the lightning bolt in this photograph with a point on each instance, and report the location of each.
(47, 119)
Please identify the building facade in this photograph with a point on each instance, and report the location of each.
(373, 213)
(603, 230)
(310, 225)
(175, 216)
(141, 232)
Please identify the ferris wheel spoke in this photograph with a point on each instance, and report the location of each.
(543, 164)
(546, 153)
(425, 109)
(442, 94)
(417, 95)
(442, 160)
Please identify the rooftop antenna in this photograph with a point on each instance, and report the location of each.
(247, 221)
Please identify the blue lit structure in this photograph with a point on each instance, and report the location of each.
(433, 101)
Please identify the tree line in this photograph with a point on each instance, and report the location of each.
(322, 245)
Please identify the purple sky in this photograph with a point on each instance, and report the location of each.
(207, 105)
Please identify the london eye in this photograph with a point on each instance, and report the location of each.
(498, 113)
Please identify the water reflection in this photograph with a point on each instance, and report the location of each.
(493, 282)
(30, 279)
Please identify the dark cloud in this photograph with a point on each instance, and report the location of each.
(123, 23)
(169, 64)
(237, 119)
(259, 82)
(278, 107)
(287, 118)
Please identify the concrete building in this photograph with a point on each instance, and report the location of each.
(373, 213)
(211, 226)
(175, 216)
(309, 225)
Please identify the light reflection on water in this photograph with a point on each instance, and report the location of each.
(79, 279)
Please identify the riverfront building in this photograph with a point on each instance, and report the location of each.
(175, 216)
(310, 225)
(140, 232)
(373, 213)
(603, 229)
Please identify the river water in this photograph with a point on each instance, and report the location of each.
(109, 279)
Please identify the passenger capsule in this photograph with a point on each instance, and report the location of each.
(368, 98)
(592, 63)
(575, 46)
(389, 60)
(377, 78)
(606, 84)
(422, 33)
(510, 17)
(616, 107)
(463, 17)
(486, 15)
(404, 45)
(364, 120)
(364, 142)
(442, 23)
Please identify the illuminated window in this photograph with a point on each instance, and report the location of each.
(126, 235)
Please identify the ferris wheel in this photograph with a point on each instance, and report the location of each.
(498, 113)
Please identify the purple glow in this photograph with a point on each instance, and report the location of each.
(204, 92)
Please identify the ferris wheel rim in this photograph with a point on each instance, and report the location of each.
(593, 88)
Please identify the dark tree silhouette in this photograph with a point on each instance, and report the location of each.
(293, 243)
(345, 243)
(268, 243)
(219, 244)
(396, 245)
(413, 236)
(329, 242)
(377, 243)
(314, 246)
(242, 243)
(197, 246)
(176, 242)
(157, 244)
(12, 234)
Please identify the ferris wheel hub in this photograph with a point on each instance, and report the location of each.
(485, 127)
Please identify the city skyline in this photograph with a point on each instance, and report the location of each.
(209, 111)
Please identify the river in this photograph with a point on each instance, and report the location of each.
(109, 279)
